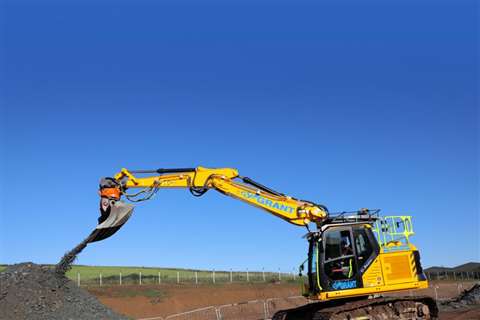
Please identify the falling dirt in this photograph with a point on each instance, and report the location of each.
(67, 260)
(30, 291)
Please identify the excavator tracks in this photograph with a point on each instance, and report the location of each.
(366, 309)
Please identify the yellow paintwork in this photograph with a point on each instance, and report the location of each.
(330, 295)
(392, 270)
(292, 210)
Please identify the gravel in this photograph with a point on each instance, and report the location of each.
(466, 298)
(36, 292)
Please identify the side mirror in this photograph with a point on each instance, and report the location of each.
(300, 270)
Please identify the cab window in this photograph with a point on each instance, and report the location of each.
(339, 257)
(362, 245)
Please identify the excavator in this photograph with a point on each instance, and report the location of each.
(354, 260)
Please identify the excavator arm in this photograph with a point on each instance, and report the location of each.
(114, 213)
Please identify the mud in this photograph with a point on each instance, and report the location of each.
(30, 291)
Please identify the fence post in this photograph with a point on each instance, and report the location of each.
(78, 279)
(265, 310)
(196, 277)
(294, 275)
(279, 275)
(248, 277)
(454, 275)
(100, 279)
(213, 275)
(178, 276)
(436, 293)
(120, 279)
(231, 275)
(140, 278)
(263, 274)
(159, 278)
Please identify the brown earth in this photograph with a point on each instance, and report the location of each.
(467, 314)
(166, 299)
(149, 301)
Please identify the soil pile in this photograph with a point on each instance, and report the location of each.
(30, 291)
(466, 298)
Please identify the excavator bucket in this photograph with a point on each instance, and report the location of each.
(113, 217)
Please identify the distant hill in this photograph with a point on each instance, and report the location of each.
(466, 267)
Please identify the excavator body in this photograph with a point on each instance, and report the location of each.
(353, 257)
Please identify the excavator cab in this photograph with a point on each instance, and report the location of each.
(338, 256)
(351, 257)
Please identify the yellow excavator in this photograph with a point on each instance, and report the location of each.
(354, 258)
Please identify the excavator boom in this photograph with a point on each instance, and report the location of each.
(115, 213)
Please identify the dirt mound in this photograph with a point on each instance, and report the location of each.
(466, 298)
(30, 291)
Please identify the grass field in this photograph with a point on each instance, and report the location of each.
(92, 272)
(150, 274)
(132, 274)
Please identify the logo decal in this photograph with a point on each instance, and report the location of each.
(267, 202)
(344, 284)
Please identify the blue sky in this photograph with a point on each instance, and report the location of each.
(349, 104)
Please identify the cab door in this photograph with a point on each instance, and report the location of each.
(347, 252)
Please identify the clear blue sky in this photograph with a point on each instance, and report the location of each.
(346, 103)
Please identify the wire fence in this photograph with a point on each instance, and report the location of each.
(254, 309)
(453, 275)
(146, 277)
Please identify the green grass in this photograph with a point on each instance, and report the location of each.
(92, 272)
(2, 267)
(111, 275)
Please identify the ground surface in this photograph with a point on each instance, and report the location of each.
(34, 292)
(30, 291)
(466, 314)
(150, 301)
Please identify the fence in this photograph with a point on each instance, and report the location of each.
(255, 309)
(453, 275)
(147, 277)
(203, 277)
